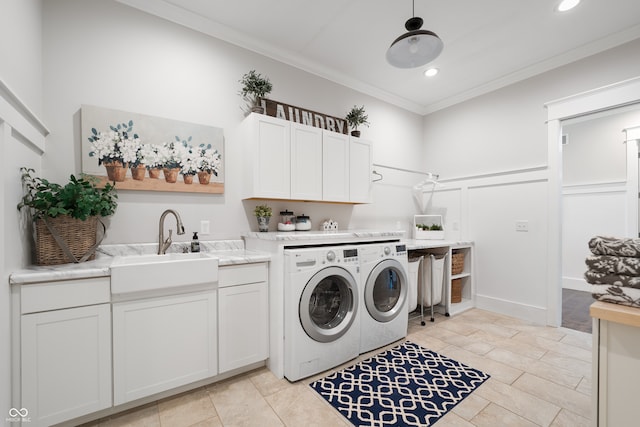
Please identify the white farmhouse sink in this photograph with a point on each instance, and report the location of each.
(138, 273)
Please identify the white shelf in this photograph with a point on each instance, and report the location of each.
(468, 286)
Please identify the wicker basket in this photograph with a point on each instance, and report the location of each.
(457, 262)
(78, 236)
(456, 290)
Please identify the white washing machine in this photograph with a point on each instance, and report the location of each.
(321, 303)
(384, 316)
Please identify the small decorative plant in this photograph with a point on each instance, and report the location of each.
(187, 157)
(425, 227)
(357, 117)
(169, 158)
(254, 87)
(263, 211)
(149, 156)
(117, 145)
(79, 198)
(263, 214)
(208, 159)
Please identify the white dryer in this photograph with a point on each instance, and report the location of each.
(383, 303)
(321, 303)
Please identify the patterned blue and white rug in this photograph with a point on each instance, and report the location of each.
(405, 386)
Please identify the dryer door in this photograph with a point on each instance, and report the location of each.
(386, 290)
(328, 304)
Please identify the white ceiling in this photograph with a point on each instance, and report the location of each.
(488, 44)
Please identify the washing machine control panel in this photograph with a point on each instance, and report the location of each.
(340, 255)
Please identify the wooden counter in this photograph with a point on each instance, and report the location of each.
(615, 313)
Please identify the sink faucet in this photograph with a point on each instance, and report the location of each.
(163, 244)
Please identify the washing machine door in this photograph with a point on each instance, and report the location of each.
(386, 290)
(328, 304)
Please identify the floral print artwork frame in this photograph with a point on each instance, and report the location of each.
(198, 148)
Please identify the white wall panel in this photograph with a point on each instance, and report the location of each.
(510, 264)
(589, 211)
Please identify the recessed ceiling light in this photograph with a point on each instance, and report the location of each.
(567, 5)
(431, 72)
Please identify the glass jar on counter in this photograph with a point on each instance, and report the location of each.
(303, 223)
(287, 221)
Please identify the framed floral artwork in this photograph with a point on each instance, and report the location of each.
(141, 152)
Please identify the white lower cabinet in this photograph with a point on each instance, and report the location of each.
(243, 331)
(616, 364)
(162, 343)
(65, 363)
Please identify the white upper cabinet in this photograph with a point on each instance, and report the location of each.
(306, 162)
(360, 160)
(288, 160)
(268, 168)
(335, 167)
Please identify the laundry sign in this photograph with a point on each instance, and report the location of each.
(303, 116)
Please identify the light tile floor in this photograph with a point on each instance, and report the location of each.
(540, 376)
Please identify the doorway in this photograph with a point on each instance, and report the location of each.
(596, 183)
(560, 112)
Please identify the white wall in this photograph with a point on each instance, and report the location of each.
(21, 50)
(20, 103)
(132, 61)
(595, 152)
(502, 137)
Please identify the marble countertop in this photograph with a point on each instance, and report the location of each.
(325, 235)
(228, 252)
(413, 244)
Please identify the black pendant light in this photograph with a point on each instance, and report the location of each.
(416, 47)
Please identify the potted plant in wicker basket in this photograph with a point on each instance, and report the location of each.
(66, 218)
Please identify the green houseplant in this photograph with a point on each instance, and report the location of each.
(66, 217)
(254, 87)
(357, 117)
(263, 214)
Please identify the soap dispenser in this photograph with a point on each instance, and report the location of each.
(195, 244)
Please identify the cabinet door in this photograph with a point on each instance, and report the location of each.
(335, 167)
(306, 162)
(244, 325)
(66, 363)
(360, 159)
(271, 170)
(162, 343)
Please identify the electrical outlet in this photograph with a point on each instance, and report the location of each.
(455, 226)
(522, 225)
(204, 227)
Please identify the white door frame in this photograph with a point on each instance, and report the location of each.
(616, 95)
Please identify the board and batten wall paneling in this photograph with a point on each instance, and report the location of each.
(588, 211)
(510, 264)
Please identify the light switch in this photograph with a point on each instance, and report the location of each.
(522, 225)
(204, 227)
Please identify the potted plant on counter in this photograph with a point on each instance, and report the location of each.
(66, 217)
(357, 117)
(263, 214)
(254, 87)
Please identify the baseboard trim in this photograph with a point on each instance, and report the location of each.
(514, 309)
(577, 284)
